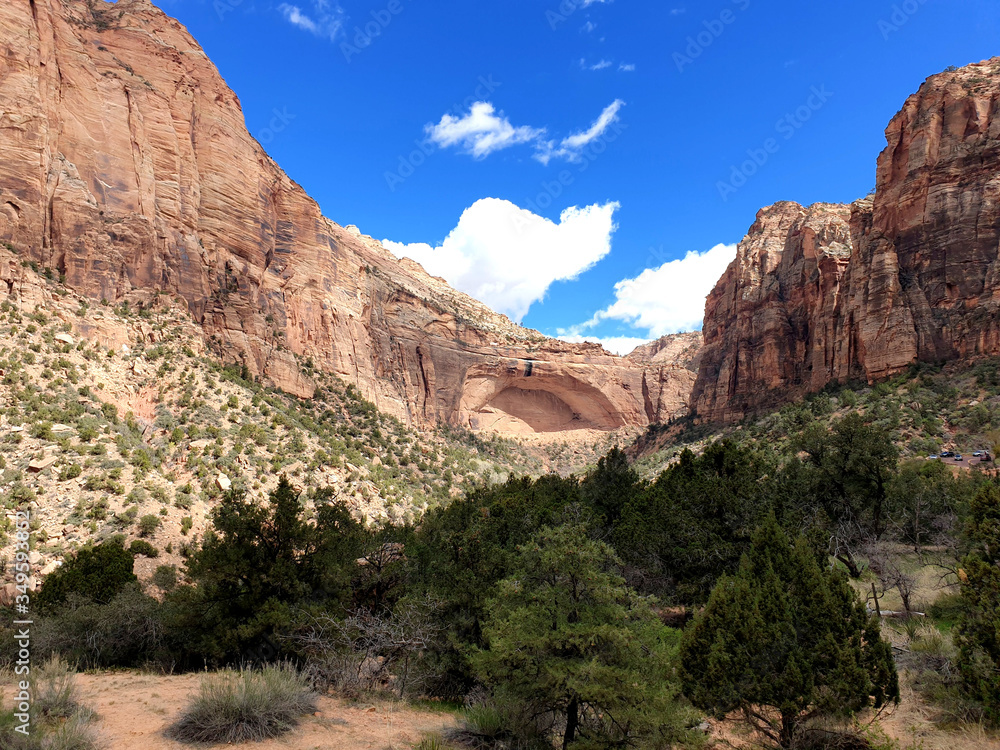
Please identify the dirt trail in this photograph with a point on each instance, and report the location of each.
(133, 710)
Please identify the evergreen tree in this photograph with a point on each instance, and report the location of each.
(573, 647)
(611, 486)
(97, 574)
(977, 633)
(853, 468)
(691, 525)
(784, 640)
(463, 549)
(255, 564)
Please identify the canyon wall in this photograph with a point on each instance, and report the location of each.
(126, 166)
(912, 274)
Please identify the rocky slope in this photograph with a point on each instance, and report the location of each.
(829, 293)
(127, 168)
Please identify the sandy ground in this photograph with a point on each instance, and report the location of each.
(911, 725)
(133, 710)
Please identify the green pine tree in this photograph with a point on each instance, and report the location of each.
(579, 652)
(977, 633)
(783, 641)
(97, 574)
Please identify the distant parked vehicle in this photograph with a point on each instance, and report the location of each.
(931, 458)
(977, 454)
(959, 457)
(946, 454)
(986, 458)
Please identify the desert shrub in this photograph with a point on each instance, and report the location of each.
(42, 431)
(245, 706)
(141, 460)
(126, 517)
(58, 721)
(72, 471)
(498, 723)
(128, 630)
(148, 524)
(367, 653)
(142, 547)
(165, 577)
(87, 430)
(76, 733)
(54, 689)
(946, 610)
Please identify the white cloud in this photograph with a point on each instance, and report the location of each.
(615, 344)
(604, 64)
(668, 299)
(484, 130)
(570, 147)
(324, 20)
(508, 257)
(481, 132)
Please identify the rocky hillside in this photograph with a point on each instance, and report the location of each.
(127, 168)
(912, 274)
(119, 419)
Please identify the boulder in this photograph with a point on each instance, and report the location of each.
(41, 464)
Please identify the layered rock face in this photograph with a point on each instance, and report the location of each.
(126, 165)
(830, 293)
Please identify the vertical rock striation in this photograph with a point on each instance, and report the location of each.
(828, 293)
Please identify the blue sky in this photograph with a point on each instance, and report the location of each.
(572, 162)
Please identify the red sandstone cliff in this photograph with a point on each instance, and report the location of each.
(834, 292)
(126, 165)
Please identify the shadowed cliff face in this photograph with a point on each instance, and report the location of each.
(830, 293)
(126, 165)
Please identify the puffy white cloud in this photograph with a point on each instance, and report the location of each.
(615, 344)
(571, 146)
(481, 132)
(326, 19)
(627, 67)
(668, 299)
(508, 257)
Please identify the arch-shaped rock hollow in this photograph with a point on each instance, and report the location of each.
(531, 397)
